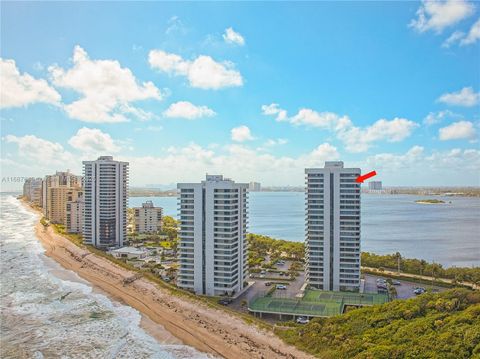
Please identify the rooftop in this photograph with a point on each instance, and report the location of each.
(128, 250)
(329, 164)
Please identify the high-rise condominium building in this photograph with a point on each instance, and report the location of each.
(254, 187)
(375, 185)
(105, 202)
(213, 224)
(55, 194)
(32, 191)
(333, 227)
(74, 213)
(148, 218)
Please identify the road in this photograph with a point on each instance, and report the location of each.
(418, 276)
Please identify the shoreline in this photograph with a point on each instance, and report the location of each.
(192, 322)
(423, 202)
(155, 330)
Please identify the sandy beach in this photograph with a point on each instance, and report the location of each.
(192, 322)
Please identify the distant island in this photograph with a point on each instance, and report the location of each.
(429, 201)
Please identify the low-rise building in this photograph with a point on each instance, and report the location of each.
(148, 218)
(129, 253)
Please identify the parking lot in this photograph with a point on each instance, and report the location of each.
(259, 287)
(404, 290)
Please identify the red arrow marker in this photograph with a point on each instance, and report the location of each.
(360, 179)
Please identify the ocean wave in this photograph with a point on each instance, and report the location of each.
(46, 316)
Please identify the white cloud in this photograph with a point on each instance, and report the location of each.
(36, 157)
(327, 120)
(93, 141)
(241, 134)
(457, 131)
(392, 161)
(360, 140)
(202, 72)
(465, 97)
(236, 161)
(107, 89)
(437, 168)
(356, 139)
(464, 39)
(473, 35)
(40, 151)
(436, 117)
(324, 152)
(453, 38)
(436, 15)
(274, 109)
(185, 109)
(232, 37)
(175, 26)
(275, 142)
(149, 129)
(17, 90)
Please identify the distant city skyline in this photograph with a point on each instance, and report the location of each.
(385, 86)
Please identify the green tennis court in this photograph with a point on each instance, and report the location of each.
(315, 303)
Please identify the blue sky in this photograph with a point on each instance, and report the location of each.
(256, 91)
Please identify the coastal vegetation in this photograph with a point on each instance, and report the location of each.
(444, 325)
(440, 191)
(421, 267)
(265, 251)
(262, 248)
(167, 237)
(429, 201)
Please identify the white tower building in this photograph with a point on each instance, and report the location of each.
(105, 202)
(213, 225)
(333, 227)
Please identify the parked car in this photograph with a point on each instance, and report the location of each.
(225, 301)
(381, 286)
(268, 284)
(281, 287)
(419, 290)
(262, 275)
(303, 320)
(396, 282)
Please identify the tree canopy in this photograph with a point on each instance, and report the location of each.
(444, 325)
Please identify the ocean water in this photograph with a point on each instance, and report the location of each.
(448, 233)
(49, 312)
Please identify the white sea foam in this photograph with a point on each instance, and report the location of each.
(47, 316)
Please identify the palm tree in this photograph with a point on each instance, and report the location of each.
(398, 257)
(423, 264)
